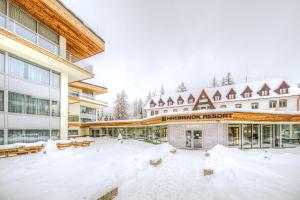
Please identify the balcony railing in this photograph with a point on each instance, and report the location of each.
(24, 32)
(78, 95)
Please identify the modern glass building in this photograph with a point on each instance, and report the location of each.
(42, 50)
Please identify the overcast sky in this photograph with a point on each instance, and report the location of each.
(154, 42)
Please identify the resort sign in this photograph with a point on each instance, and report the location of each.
(215, 116)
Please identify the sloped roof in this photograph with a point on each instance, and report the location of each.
(238, 88)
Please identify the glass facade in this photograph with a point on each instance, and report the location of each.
(263, 135)
(55, 108)
(27, 136)
(24, 70)
(19, 103)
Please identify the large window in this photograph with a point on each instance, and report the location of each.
(1, 62)
(1, 137)
(21, 69)
(55, 134)
(19, 103)
(234, 135)
(27, 136)
(272, 104)
(266, 135)
(87, 110)
(247, 136)
(73, 132)
(256, 136)
(1, 100)
(3, 6)
(282, 103)
(55, 108)
(55, 80)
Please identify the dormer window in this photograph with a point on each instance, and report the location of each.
(247, 93)
(170, 101)
(217, 96)
(161, 103)
(152, 104)
(264, 93)
(283, 91)
(283, 88)
(191, 99)
(231, 94)
(180, 100)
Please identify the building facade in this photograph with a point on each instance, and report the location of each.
(271, 94)
(42, 48)
(260, 114)
(84, 106)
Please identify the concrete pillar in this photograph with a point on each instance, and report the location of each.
(64, 106)
(6, 98)
(62, 47)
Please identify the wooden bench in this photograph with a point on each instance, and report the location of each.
(61, 146)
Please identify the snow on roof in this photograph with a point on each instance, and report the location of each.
(255, 86)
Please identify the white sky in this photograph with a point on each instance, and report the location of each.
(168, 41)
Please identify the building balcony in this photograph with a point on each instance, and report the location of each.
(85, 97)
(22, 31)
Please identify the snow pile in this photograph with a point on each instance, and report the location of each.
(17, 145)
(50, 147)
(77, 173)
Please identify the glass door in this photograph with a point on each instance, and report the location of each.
(256, 136)
(247, 136)
(197, 137)
(234, 135)
(266, 136)
(188, 140)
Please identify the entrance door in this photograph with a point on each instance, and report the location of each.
(234, 136)
(194, 139)
(197, 137)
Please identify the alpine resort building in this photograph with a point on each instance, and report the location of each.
(42, 50)
(259, 114)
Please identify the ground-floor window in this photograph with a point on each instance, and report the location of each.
(263, 135)
(73, 132)
(27, 136)
(55, 134)
(1, 137)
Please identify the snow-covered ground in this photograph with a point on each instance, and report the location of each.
(87, 173)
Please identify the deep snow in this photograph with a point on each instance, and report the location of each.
(87, 173)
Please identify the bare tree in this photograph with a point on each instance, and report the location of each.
(162, 90)
(121, 106)
(181, 87)
(214, 82)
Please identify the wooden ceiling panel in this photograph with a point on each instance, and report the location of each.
(81, 41)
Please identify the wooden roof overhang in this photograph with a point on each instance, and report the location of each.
(88, 86)
(81, 40)
(198, 117)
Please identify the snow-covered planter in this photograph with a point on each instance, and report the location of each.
(173, 150)
(208, 172)
(155, 162)
(110, 195)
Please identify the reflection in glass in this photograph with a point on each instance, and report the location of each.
(256, 136)
(247, 135)
(266, 135)
(234, 136)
